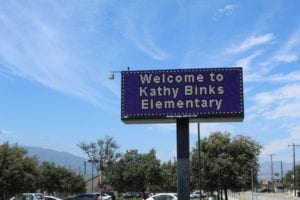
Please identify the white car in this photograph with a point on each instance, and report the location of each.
(197, 194)
(30, 196)
(51, 198)
(103, 196)
(106, 197)
(163, 196)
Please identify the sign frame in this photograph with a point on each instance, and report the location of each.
(227, 89)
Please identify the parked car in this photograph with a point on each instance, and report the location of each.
(84, 196)
(104, 196)
(197, 194)
(112, 194)
(29, 196)
(264, 190)
(163, 196)
(144, 195)
(130, 195)
(51, 198)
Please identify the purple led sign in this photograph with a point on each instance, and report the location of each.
(158, 96)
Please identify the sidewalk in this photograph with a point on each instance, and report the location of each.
(261, 196)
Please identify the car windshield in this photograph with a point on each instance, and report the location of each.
(39, 196)
(163, 197)
(24, 197)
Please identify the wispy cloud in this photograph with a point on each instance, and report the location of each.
(246, 62)
(280, 102)
(287, 57)
(148, 46)
(251, 42)
(288, 52)
(7, 134)
(289, 77)
(279, 146)
(284, 109)
(228, 9)
(134, 30)
(34, 47)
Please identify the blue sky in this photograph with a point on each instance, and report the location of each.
(55, 57)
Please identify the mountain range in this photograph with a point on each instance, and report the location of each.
(76, 163)
(65, 159)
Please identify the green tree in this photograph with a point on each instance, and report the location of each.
(103, 153)
(226, 163)
(168, 177)
(151, 170)
(128, 172)
(70, 182)
(289, 178)
(48, 178)
(136, 172)
(59, 179)
(18, 172)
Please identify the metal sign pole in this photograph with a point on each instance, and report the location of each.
(183, 163)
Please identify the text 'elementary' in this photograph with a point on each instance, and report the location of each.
(204, 94)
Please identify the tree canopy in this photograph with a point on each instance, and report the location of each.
(102, 153)
(16, 168)
(21, 173)
(290, 181)
(226, 163)
(135, 171)
(59, 179)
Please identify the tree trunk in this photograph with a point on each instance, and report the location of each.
(226, 194)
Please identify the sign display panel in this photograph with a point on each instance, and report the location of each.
(204, 94)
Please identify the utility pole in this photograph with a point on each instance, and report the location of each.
(272, 179)
(252, 184)
(199, 159)
(294, 161)
(281, 172)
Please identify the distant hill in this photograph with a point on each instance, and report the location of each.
(77, 163)
(65, 159)
(265, 169)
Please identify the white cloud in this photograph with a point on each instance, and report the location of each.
(280, 147)
(287, 58)
(285, 109)
(251, 42)
(276, 146)
(290, 77)
(34, 47)
(278, 103)
(228, 9)
(276, 78)
(8, 135)
(283, 93)
(288, 52)
(134, 30)
(246, 62)
(5, 132)
(207, 128)
(148, 46)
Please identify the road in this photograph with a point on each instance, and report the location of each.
(262, 196)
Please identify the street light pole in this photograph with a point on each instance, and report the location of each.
(252, 184)
(111, 74)
(199, 158)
